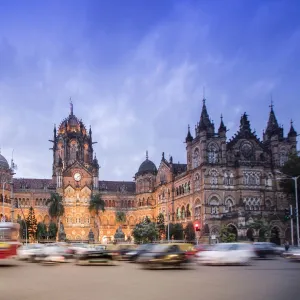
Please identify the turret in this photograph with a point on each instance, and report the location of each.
(222, 128)
(205, 125)
(189, 137)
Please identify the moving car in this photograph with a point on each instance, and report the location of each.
(227, 254)
(96, 257)
(165, 256)
(264, 250)
(133, 255)
(26, 252)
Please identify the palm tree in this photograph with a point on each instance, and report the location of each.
(56, 209)
(96, 205)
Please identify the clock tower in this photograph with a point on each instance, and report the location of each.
(76, 173)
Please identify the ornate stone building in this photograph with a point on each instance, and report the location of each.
(223, 183)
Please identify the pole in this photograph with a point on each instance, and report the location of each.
(168, 225)
(3, 214)
(297, 211)
(292, 229)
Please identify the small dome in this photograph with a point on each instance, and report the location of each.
(147, 166)
(3, 162)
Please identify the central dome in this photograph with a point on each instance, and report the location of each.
(71, 124)
(147, 166)
(3, 162)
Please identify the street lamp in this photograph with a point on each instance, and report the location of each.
(296, 198)
(3, 215)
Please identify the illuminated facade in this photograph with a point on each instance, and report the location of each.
(223, 183)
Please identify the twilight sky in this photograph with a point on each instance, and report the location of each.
(135, 70)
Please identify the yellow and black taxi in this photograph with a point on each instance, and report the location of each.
(166, 256)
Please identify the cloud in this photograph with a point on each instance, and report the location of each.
(139, 97)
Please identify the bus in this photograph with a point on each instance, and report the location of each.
(9, 241)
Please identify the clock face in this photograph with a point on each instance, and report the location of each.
(77, 176)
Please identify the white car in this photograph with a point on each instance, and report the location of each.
(25, 252)
(227, 254)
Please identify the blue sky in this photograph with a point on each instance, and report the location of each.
(136, 70)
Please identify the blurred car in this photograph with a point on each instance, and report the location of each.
(197, 248)
(96, 257)
(227, 254)
(292, 254)
(165, 256)
(133, 255)
(120, 250)
(25, 252)
(264, 249)
(278, 249)
(53, 253)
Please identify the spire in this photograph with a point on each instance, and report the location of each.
(204, 118)
(222, 127)
(90, 131)
(272, 126)
(146, 154)
(245, 124)
(292, 132)
(189, 137)
(54, 131)
(71, 107)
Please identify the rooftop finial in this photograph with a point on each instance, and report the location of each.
(204, 93)
(71, 107)
(221, 117)
(147, 154)
(272, 103)
(292, 122)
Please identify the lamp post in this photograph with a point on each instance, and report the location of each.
(296, 198)
(3, 215)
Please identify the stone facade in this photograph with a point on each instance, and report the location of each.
(223, 183)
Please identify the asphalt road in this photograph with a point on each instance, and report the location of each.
(270, 279)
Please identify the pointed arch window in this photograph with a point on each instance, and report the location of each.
(196, 158)
(283, 157)
(214, 206)
(212, 154)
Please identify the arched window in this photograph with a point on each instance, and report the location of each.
(197, 181)
(269, 181)
(283, 157)
(212, 154)
(196, 158)
(214, 177)
(229, 205)
(197, 209)
(268, 204)
(183, 214)
(188, 212)
(214, 204)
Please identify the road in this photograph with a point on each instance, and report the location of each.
(270, 279)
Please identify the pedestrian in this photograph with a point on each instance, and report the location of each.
(286, 246)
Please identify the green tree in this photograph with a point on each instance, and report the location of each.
(226, 235)
(176, 231)
(96, 205)
(290, 168)
(31, 224)
(41, 231)
(22, 231)
(120, 217)
(52, 230)
(145, 232)
(160, 222)
(189, 232)
(56, 208)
